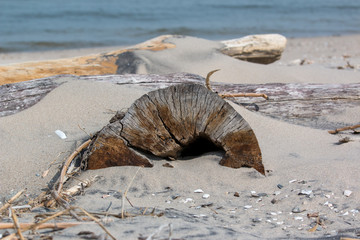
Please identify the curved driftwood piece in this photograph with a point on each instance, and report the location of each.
(166, 122)
(264, 48)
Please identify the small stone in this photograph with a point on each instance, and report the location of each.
(347, 193)
(280, 186)
(299, 218)
(296, 210)
(168, 165)
(280, 223)
(206, 196)
(198, 191)
(319, 228)
(175, 196)
(236, 194)
(37, 174)
(274, 200)
(346, 213)
(256, 220)
(305, 192)
(273, 213)
(292, 181)
(327, 196)
(277, 193)
(247, 206)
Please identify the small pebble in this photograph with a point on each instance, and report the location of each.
(175, 196)
(280, 223)
(37, 174)
(296, 210)
(346, 213)
(347, 193)
(292, 181)
(273, 201)
(198, 191)
(247, 206)
(256, 220)
(299, 218)
(236, 194)
(277, 193)
(273, 213)
(280, 186)
(305, 192)
(327, 196)
(206, 196)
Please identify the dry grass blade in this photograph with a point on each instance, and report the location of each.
(344, 129)
(125, 194)
(68, 162)
(207, 81)
(16, 224)
(7, 205)
(98, 222)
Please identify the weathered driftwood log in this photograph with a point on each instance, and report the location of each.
(299, 103)
(125, 61)
(168, 121)
(265, 48)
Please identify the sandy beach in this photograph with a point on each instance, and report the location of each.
(308, 172)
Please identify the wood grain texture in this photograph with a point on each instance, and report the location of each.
(167, 121)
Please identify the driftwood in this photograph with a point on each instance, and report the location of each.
(305, 104)
(168, 122)
(265, 48)
(257, 48)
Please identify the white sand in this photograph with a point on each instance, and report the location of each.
(29, 145)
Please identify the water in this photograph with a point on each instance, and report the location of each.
(32, 25)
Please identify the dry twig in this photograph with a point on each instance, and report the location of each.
(68, 162)
(16, 224)
(60, 225)
(207, 81)
(344, 129)
(98, 222)
(7, 205)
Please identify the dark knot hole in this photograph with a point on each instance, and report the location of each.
(200, 146)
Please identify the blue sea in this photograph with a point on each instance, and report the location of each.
(37, 25)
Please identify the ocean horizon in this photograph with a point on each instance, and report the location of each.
(38, 25)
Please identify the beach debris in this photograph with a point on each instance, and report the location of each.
(347, 193)
(11, 200)
(168, 165)
(306, 192)
(344, 140)
(297, 210)
(187, 200)
(353, 127)
(170, 131)
(198, 191)
(61, 134)
(263, 48)
(206, 196)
